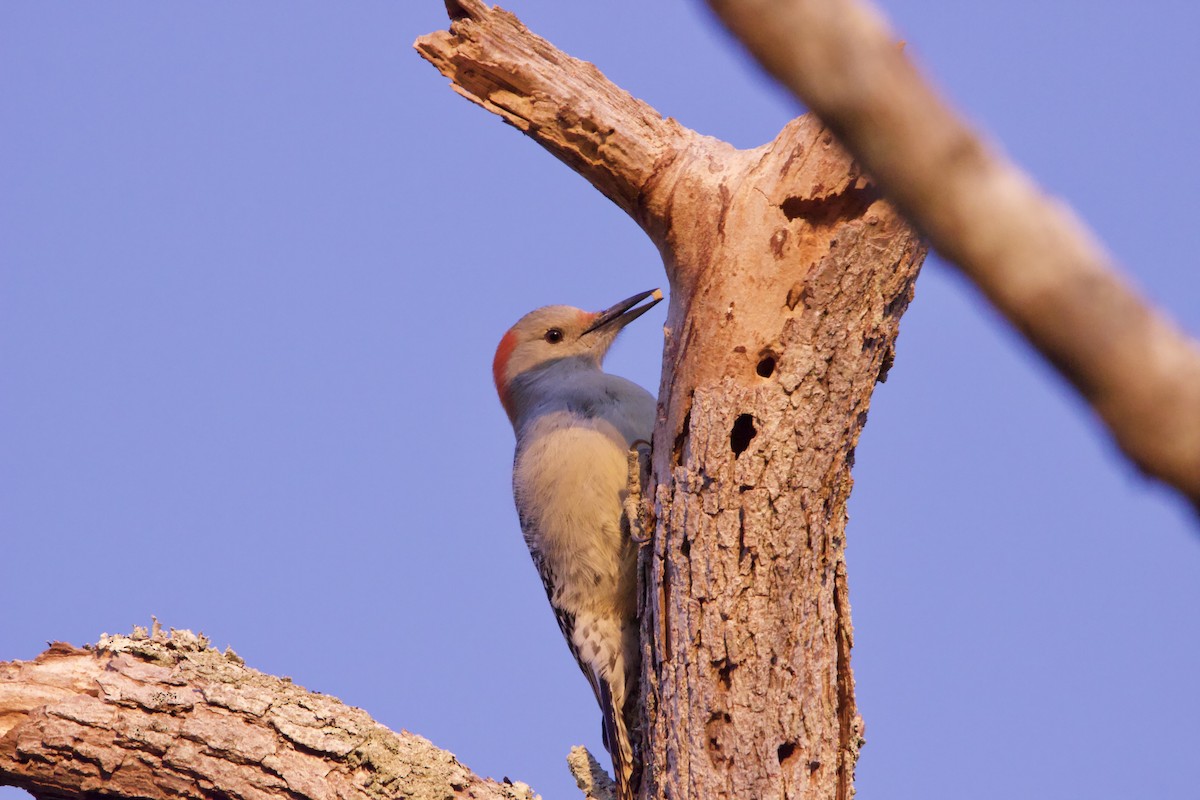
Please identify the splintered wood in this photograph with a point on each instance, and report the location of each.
(788, 278)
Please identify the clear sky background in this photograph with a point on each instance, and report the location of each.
(254, 261)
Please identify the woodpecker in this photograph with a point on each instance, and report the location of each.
(574, 425)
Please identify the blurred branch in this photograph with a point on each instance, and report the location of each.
(157, 716)
(1030, 255)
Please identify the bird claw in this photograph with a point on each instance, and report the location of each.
(636, 512)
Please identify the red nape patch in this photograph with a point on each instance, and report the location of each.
(500, 368)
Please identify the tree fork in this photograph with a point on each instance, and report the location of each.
(788, 278)
(1028, 253)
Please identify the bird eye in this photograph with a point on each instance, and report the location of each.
(553, 336)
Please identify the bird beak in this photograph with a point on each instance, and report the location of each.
(624, 312)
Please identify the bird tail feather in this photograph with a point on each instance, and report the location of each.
(616, 741)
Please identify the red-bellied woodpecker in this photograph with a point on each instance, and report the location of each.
(574, 425)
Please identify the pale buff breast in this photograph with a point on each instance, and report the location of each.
(569, 482)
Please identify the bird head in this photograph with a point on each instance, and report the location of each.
(561, 335)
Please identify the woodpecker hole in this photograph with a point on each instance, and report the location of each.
(766, 366)
(743, 431)
(681, 437)
(725, 670)
(826, 211)
(786, 751)
(715, 731)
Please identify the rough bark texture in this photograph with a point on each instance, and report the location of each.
(153, 716)
(590, 777)
(1029, 254)
(788, 277)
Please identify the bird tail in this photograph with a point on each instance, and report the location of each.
(617, 742)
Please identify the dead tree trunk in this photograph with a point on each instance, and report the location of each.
(788, 277)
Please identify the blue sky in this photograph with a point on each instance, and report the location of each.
(255, 258)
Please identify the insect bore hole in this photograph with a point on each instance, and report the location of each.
(766, 366)
(743, 431)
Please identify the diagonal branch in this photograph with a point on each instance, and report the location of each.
(598, 129)
(1029, 254)
(788, 279)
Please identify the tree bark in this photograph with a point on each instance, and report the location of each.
(1029, 254)
(788, 277)
(153, 716)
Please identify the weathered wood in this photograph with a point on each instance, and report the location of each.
(1028, 253)
(614, 140)
(788, 277)
(157, 716)
(590, 777)
(790, 281)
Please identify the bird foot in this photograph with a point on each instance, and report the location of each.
(637, 512)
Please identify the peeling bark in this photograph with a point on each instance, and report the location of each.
(167, 717)
(788, 277)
